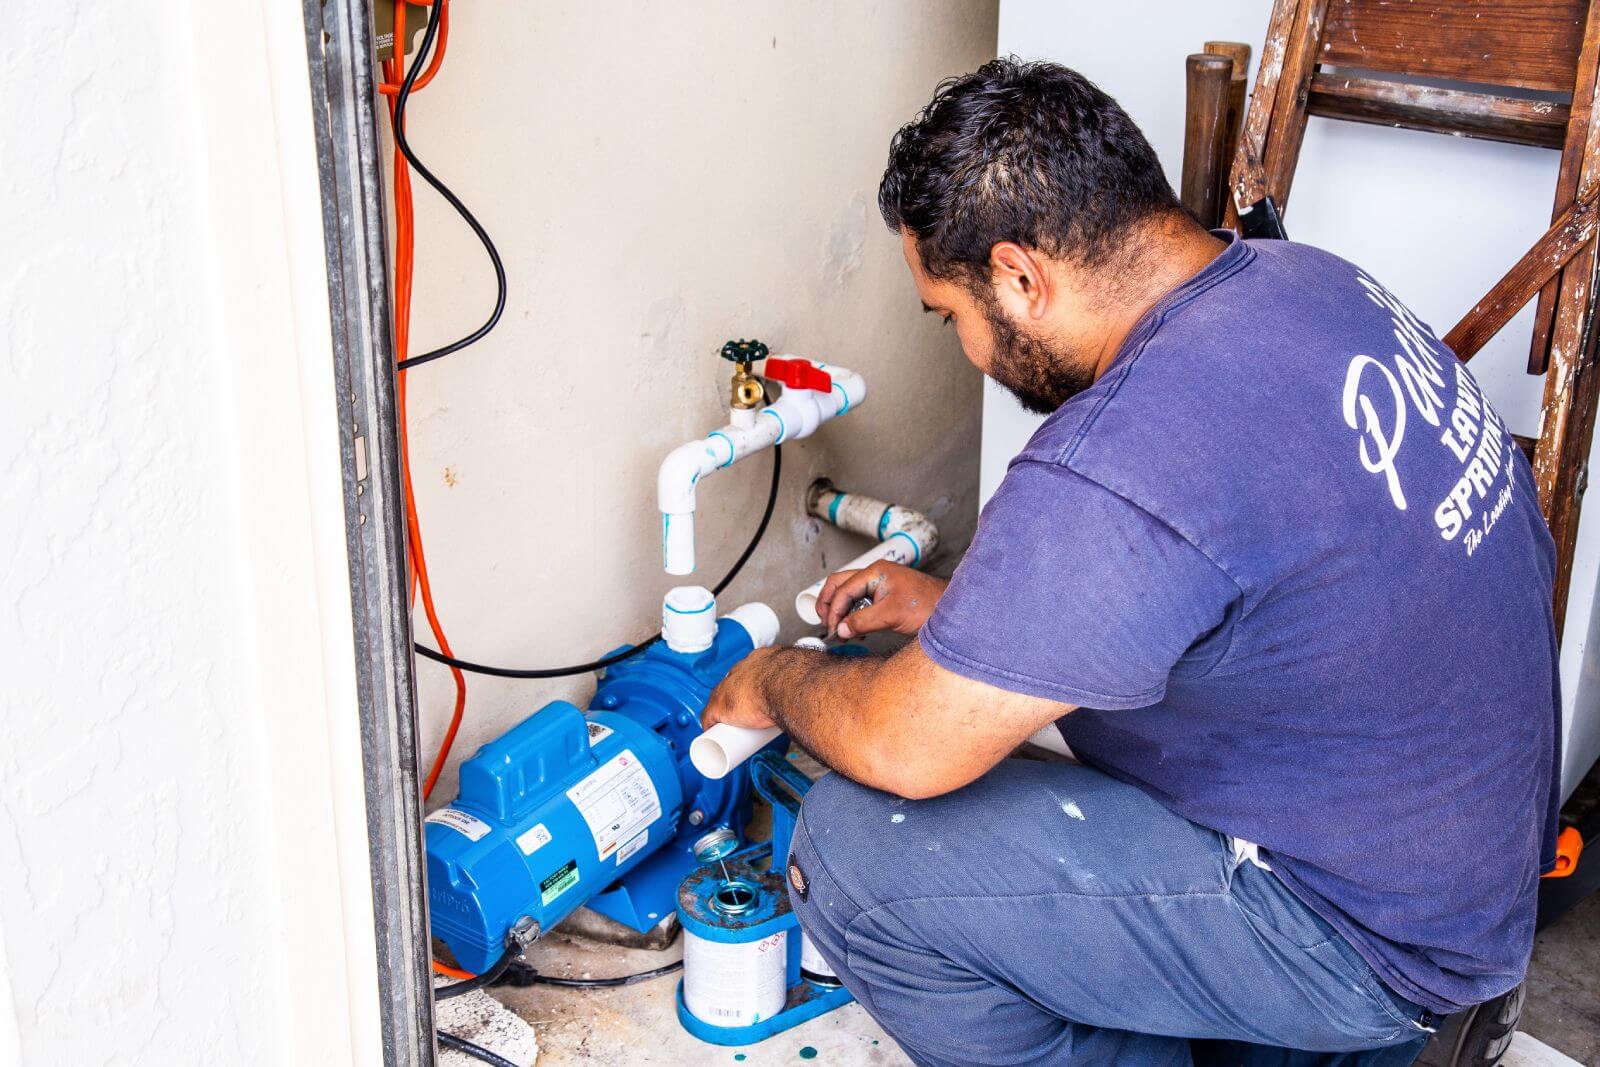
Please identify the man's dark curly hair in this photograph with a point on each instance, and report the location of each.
(1026, 152)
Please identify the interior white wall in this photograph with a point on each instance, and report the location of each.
(183, 870)
(660, 178)
(1437, 219)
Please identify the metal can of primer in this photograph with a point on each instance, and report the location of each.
(735, 951)
(813, 968)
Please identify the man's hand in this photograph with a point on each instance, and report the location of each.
(740, 700)
(902, 599)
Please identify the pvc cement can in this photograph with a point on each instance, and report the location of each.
(813, 968)
(734, 983)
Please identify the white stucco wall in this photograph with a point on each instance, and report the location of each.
(182, 856)
(659, 178)
(182, 853)
(1437, 219)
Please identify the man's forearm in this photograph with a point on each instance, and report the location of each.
(827, 704)
(903, 724)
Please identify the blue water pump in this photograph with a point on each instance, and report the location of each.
(602, 808)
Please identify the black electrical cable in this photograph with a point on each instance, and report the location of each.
(523, 975)
(461, 209)
(480, 981)
(585, 668)
(461, 1044)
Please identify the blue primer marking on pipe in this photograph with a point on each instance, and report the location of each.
(696, 611)
(916, 552)
(833, 508)
(783, 429)
(883, 520)
(666, 524)
(731, 453)
(846, 397)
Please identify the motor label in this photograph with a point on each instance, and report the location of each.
(533, 840)
(598, 733)
(616, 801)
(558, 882)
(460, 822)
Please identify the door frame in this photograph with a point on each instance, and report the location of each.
(342, 61)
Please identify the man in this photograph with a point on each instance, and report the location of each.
(1273, 567)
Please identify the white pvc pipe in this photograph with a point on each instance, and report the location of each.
(795, 414)
(723, 747)
(904, 536)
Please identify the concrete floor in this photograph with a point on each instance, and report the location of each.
(1563, 1006)
(639, 1024)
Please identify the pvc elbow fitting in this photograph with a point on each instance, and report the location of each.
(904, 536)
(678, 475)
(759, 621)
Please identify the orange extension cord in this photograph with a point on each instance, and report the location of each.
(405, 247)
(404, 265)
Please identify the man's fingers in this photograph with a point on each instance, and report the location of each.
(713, 711)
(856, 585)
(882, 615)
(830, 588)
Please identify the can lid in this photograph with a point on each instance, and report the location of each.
(719, 844)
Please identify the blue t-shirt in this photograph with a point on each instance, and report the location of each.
(1291, 567)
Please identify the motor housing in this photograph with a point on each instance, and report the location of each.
(602, 808)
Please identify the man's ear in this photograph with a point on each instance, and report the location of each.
(1021, 282)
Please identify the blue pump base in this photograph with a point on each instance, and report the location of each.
(643, 899)
(806, 1001)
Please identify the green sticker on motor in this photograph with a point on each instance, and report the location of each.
(559, 882)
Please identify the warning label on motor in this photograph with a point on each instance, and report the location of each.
(460, 822)
(631, 847)
(617, 801)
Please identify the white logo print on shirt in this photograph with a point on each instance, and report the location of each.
(1473, 433)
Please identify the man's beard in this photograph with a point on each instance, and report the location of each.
(1039, 376)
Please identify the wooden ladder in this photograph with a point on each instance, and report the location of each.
(1518, 71)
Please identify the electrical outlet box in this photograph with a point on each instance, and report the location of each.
(383, 27)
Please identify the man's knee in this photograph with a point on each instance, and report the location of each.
(823, 858)
(864, 842)
(845, 822)
(835, 801)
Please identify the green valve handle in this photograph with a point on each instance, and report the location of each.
(742, 351)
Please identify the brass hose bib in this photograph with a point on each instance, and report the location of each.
(746, 392)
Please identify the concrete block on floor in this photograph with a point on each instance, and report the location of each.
(483, 1020)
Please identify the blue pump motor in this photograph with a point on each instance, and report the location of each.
(600, 809)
